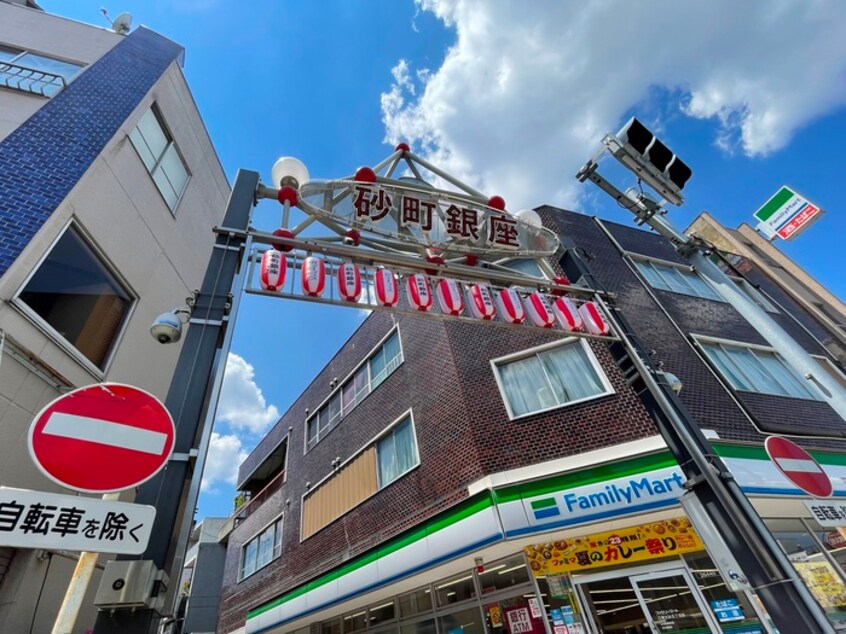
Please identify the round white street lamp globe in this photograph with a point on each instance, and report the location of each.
(289, 171)
(529, 216)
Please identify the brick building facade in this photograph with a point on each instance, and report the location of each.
(502, 476)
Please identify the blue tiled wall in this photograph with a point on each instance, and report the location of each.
(45, 157)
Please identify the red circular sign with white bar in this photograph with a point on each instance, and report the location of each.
(102, 438)
(798, 466)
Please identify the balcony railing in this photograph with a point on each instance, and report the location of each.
(243, 512)
(31, 80)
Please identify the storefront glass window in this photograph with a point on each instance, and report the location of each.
(383, 612)
(504, 574)
(415, 602)
(733, 610)
(455, 590)
(331, 627)
(465, 622)
(421, 627)
(355, 622)
(808, 557)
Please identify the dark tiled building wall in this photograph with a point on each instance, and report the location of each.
(463, 434)
(704, 395)
(44, 158)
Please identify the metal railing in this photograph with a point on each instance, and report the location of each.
(244, 511)
(31, 80)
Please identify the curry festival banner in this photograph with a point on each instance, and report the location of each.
(646, 542)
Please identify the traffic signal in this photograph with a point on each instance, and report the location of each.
(652, 161)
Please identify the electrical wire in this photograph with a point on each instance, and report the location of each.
(41, 591)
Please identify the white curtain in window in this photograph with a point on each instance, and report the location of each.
(727, 367)
(571, 373)
(525, 386)
(790, 384)
(754, 370)
(387, 455)
(397, 453)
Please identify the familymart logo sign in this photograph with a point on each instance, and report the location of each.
(605, 499)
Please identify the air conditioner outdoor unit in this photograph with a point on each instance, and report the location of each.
(131, 584)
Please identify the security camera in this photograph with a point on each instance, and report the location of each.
(167, 327)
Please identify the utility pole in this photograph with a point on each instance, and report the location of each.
(191, 400)
(726, 508)
(763, 563)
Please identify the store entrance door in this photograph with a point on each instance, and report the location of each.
(651, 600)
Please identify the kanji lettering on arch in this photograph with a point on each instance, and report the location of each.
(362, 201)
(502, 231)
(414, 211)
(382, 203)
(462, 223)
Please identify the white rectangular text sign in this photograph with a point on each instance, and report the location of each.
(35, 519)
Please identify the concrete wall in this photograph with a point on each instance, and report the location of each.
(39, 32)
(160, 255)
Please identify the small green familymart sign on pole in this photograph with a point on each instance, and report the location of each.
(786, 214)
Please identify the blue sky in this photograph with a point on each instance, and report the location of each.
(512, 97)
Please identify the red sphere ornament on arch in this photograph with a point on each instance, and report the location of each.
(365, 175)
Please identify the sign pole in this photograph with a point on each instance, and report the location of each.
(66, 618)
(188, 399)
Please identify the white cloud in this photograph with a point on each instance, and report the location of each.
(242, 404)
(529, 88)
(225, 455)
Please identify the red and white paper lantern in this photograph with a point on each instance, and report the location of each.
(481, 302)
(594, 322)
(509, 306)
(313, 276)
(387, 289)
(418, 291)
(349, 282)
(538, 311)
(450, 298)
(567, 314)
(273, 268)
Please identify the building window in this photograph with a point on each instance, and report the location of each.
(261, 549)
(549, 377)
(161, 157)
(396, 452)
(74, 292)
(37, 74)
(675, 279)
(376, 368)
(526, 266)
(752, 369)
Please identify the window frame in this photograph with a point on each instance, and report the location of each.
(256, 537)
(171, 143)
(49, 331)
(655, 263)
(702, 341)
(534, 352)
(21, 52)
(753, 293)
(338, 390)
(389, 430)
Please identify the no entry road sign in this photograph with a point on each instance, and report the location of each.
(798, 466)
(102, 438)
(35, 519)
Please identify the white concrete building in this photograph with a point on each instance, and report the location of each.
(109, 187)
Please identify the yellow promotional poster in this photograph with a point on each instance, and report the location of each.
(646, 542)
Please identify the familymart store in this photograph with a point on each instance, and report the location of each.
(598, 549)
